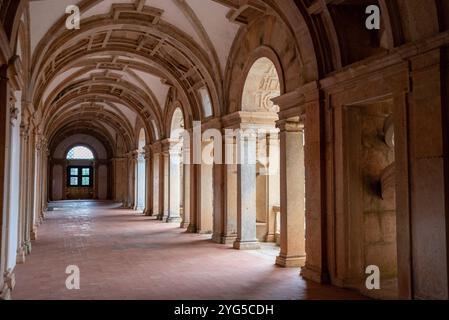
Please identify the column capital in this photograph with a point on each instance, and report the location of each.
(156, 147)
(132, 155)
(290, 125)
(148, 151)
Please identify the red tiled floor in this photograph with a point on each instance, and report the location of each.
(122, 255)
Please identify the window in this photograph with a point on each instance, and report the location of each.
(80, 153)
(79, 177)
(205, 99)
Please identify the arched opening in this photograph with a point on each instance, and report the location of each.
(141, 173)
(80, 153)
(79, 168)
(80, 164)
(257, 183)
(175, 169)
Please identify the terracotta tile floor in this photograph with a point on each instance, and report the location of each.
(123, 255)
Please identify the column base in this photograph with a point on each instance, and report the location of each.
(8, 286)
(185, 225)
(5, 292)
(314, 275)
(140, 209)
(204, 231)
(33, 235)
(28, 247)
(291, 262)
(21, 253)
(270, 238)
(216, 237)
(246, 245)
(173, 220)
(229, 239)
(191, 228)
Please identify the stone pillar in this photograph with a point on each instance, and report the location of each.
(218, 197)
(292, 195)
(37, 185)
(427, 173)
(187, 196)
(30, 232)
(140, 182)
(4, 178)
(157, 179)
(148, 211)
(274, 190)
(131, 171)
(230, 180)
(23, 230)
(206, 195)
(165, 180)
(190, 187)
(174, 210)
(44, 179)
(246, 192)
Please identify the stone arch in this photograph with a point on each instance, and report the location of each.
(262, 77)
(60, 168)
(175, 118)
(249, 47)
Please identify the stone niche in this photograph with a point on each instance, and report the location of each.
(372, 197)
(379, 207)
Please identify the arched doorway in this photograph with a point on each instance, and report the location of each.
(80, 164)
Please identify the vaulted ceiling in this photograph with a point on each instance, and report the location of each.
(117, 70)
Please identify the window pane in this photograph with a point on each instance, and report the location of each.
(74, 171)
(86, 171)
(80, 153)
(74, 182)
(86, 181)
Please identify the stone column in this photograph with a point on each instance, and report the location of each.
(157, 179)
(140, 182)
(44, 178)
(246, 192)
(230, 179)
(4, 178)
(30, 230)
(132, 180)
(23, 230)
(165, 180)
(190, 179)
(187, 194)
(273, 184)
(148, 181)
(206, 195)
(37, 185)
(174, 210)
(292, 195)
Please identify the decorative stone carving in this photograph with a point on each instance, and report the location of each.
(261, 86)
(14, 113)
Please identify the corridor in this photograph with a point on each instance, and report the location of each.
(123, 255)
